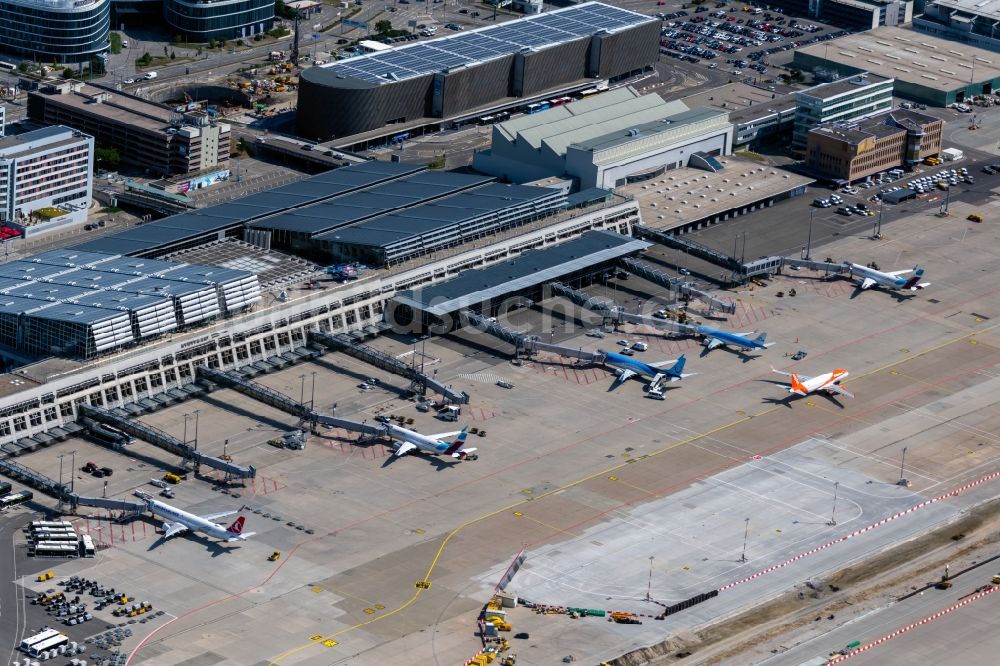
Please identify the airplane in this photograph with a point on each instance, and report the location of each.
(627, 368)
(828, 381)
(890, 280)
(177, 521)
(436, 445)
(714, 338)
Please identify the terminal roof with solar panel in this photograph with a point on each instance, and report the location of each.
(468, 70)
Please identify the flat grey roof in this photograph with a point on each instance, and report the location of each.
(528, 270)
(213, 219)
(392, 228)
(376, 200)
(477, 46)
(845, 85)
(913, 57)
(987, 8)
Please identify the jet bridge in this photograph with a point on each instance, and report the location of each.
(256, 391)
(527, 343)
(824, 266)
(161, 439)
(686, 288)
(616, 314)
(388, 363)
(36, 480)
(685, 245)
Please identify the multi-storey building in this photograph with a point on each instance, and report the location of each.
(146, 135)
(847, 99)
(64, 31)
(203, 20)
(42, 173)
(847, 152)
(973, 22)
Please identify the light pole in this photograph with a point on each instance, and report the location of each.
(809, 238)
(302, 391)
(833, 514)
(196, 412)
(902, 461)
(877, 230)
(186, 416)
(312, 396)
(649, 585)
(746, 534)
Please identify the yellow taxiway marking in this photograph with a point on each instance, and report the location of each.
(425, 583)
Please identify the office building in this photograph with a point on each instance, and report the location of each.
(61, 31)
(146, 135)
(46, 177)
(846, 152)
(972, 22)
(926, 69)
(205, 20)
(475, 70)
(606, 140)
(760, 118)
(853, 97)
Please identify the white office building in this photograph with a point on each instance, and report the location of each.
(46, 178)
(850, 98)
(607, 140)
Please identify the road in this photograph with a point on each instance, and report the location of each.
(12, 615)
(966, 636)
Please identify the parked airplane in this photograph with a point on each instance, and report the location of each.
(177, 521)
(627, 367)
(713, 338)
(802, 385)
(435, 445)
(871, 277)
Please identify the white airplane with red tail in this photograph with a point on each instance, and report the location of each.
(828, 381)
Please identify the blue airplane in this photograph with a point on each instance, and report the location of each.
(713, 338)
(627, 367)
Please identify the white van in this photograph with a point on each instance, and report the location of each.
(149, 75)
(640, 346)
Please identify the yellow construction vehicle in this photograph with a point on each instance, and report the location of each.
(48, 575)
(975, 217)
(509, 660)
(274, 557)
(169, 477)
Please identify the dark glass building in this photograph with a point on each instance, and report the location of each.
(204, 20)
(62, 31)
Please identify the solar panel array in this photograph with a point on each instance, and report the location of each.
(477, 46)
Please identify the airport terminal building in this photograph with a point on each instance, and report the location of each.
(606, 141)
(466, 71)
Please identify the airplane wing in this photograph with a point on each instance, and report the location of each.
(898, 273)
(660, 364)
(920, 286)
(404, 448)
(242, 537)
(624, 376)
(833, 388)
(802, 378)
(446, 435)
(868, 283)
(221, 514)
(713, 343)
(173, 529)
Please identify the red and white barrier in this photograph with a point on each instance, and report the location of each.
(899, 632)
(863, 530)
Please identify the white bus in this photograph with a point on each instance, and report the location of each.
(48, 644)
(31, 641)
(87, 546)
(69, 549)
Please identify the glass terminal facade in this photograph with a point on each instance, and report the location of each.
(204, 20)
(61, 31)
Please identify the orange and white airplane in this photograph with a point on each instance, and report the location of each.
(802, 385)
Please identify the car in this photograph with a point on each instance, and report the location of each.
(683, 271)
(627, 352)
(640, 346)
(623, 343)
(799, 355)
(124, 43)
(107, 471)
(844, 210)
(594, 333)
(128, 82)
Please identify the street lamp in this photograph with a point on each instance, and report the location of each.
(809, 238)
(196, 412)
(902, 481)
(833, 514)
(746, 533)
(302, 391)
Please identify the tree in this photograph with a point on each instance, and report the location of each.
(284, 11)
(383, 27)
(107, 157)
(173, 55)
(67, 73)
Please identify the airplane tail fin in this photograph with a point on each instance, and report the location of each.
(459, 441)
(797, 385)
(237, 526)
(760, 338)
(918, 272)
(678, 369)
